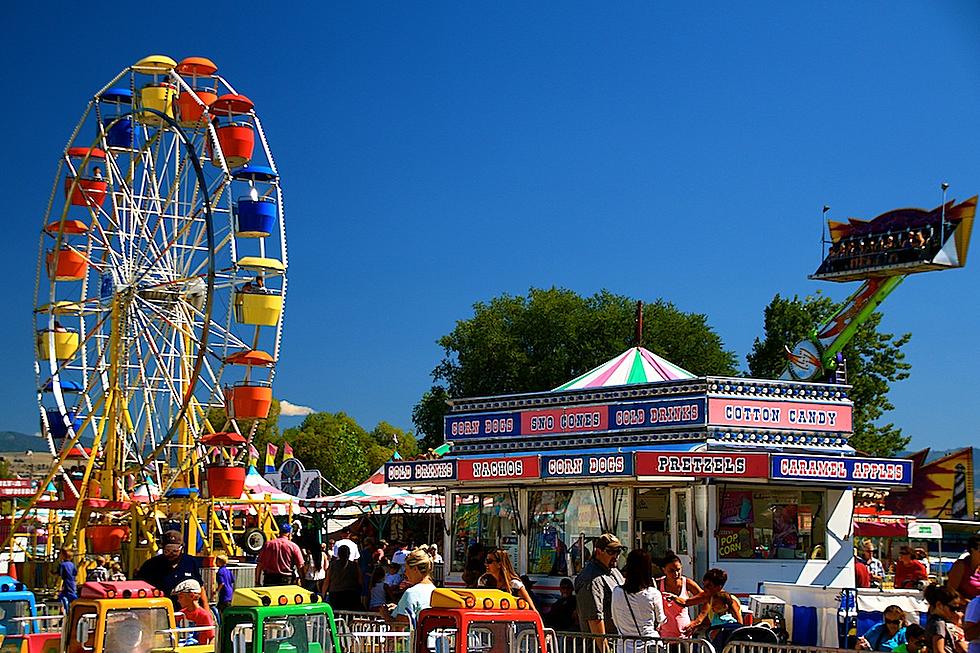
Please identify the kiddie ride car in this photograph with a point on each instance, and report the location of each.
(133, 617)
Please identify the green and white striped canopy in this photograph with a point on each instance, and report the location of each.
(636, 365)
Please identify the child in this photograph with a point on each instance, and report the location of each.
(722, 611)
(393, 580)
(115, 571)
(225, 583)
(378, 596)
(563, 616)
(194, 607)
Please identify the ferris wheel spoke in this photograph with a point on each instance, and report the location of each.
(163, 365)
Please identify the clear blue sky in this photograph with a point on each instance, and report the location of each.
(437, 154)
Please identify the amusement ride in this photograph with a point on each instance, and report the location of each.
(161, 284)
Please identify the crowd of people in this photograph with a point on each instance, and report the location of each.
(909, 571)
(953, 619)
(647, 599)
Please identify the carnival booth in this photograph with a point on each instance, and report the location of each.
(753, 476)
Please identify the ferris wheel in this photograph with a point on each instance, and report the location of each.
(161, 281)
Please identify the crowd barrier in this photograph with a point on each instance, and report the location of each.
(575, 642)
(368, 632)
(244, 575)
(755, 647)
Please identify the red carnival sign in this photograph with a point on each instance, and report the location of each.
(705, 465)
(499, 469)
(16, 487)
(565, 420)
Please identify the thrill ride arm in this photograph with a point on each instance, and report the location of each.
(817, 355)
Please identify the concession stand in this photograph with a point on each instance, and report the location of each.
(754, 476)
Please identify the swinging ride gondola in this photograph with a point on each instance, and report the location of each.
(160, 290)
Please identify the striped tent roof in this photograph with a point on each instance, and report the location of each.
(374, 493)
(635, 365)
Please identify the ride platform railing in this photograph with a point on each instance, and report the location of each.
(369, 632)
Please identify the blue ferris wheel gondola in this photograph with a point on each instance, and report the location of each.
(118, 130)
(255, 215)
(56, 423)
(66, 386)
(254, 173)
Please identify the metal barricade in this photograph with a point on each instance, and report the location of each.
(369, 632)
(573, 642)
(756, 647)
(244, 575)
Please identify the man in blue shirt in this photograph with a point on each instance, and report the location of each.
(67, 571)
(166, 570)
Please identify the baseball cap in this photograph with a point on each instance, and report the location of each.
(608, 541)
(285, 527)
(189, 585)
(172, 537)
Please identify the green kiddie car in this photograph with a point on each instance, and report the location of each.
(287, 619)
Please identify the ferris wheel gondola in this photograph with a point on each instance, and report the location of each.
(161, 282)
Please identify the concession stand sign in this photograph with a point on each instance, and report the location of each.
(703, 464)
(16, 487)
(793, 415)
(499, 468)
(422, 470)
(666, 413)
(577, 465)
(856, 471)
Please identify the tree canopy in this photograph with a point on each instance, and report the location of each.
(539, 341)
(334, 443)
(344, 452)
(875, 360)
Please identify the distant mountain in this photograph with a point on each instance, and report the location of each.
(14, 441)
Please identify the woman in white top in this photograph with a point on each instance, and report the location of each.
(500, 567)
(637, 604)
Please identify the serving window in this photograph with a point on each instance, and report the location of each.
(771, 523)
(561, 524)
(488, 519)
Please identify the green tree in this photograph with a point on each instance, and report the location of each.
(388, 439)
(333, 443)
(539, 341)
(875, 360)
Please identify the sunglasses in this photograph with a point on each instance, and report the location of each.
(491, 561)
(893, 622)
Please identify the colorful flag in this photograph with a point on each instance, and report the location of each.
(270, 457)
(253, 455)
(287, 452)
